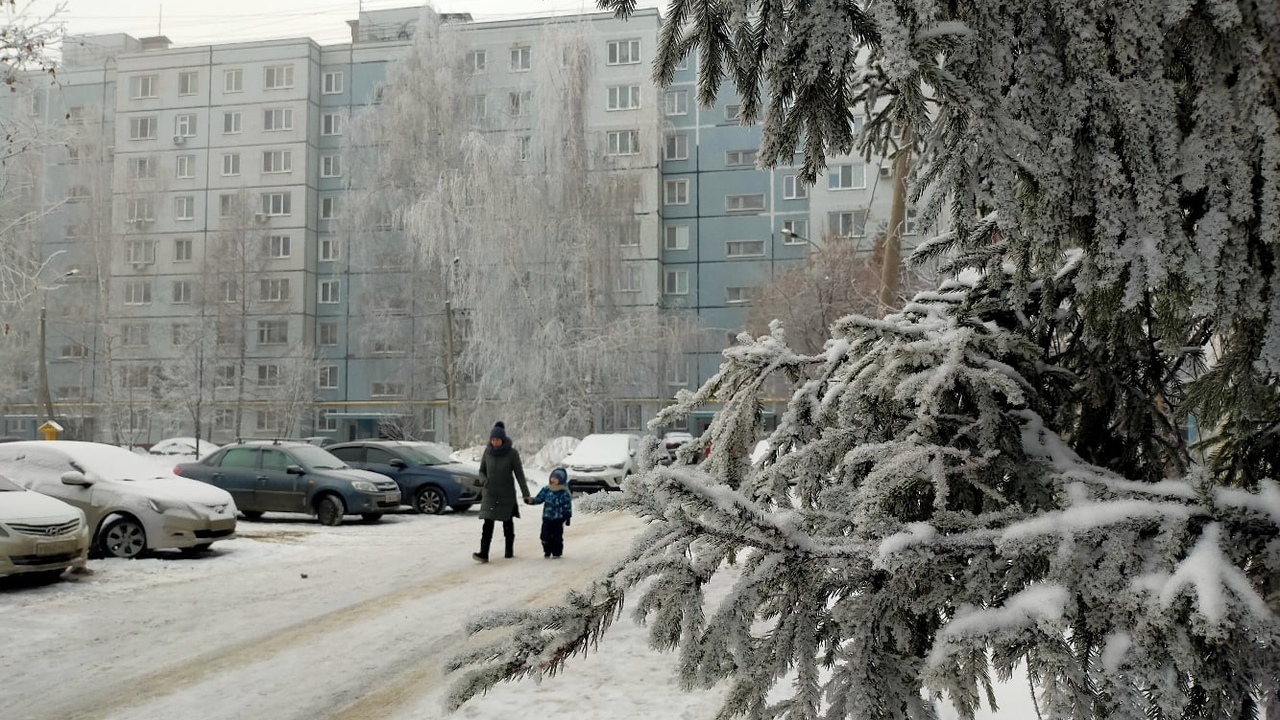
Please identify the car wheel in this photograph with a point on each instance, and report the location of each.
(371, 517)
(461, 508)
(330, 509)
(123, 538)
(430, 500)
(251, 514)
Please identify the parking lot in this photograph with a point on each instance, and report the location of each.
(291, 619)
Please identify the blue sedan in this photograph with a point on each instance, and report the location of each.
(429, 482)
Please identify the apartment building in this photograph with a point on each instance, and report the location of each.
(200, 195)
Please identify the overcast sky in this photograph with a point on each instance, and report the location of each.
(196, 22)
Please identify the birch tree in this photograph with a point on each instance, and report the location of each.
(517, 215)
(995, 477)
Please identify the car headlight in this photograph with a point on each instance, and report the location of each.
(464, 480)
(160, 506)
(364, 486)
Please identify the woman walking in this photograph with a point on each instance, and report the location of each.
(500, 469)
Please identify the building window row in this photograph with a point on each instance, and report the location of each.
(520, 56)
(274, 77)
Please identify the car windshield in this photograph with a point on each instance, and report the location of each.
(7, 485)
(424, 454)
(316, 458)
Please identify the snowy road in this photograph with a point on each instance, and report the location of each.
(295, 620)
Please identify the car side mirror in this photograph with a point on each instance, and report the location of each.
(398, 463)
(75, 477)
(632, 453)
(295, 470)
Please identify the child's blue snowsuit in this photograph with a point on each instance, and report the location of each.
(557, 511)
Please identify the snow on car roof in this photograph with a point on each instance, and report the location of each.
(106, 461)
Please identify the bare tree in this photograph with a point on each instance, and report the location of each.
(523, 236)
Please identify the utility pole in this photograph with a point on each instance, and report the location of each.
(891, 257)
(45, 397)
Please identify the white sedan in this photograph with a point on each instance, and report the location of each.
(39, 535)
(132, 504)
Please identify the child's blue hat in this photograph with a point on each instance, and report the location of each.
(561, 475)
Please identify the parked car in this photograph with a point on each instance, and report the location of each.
(183, 446)
(39, 535)
(429, 480)
(130, 503)
(673, 441)
(602, 461)
(296, 477)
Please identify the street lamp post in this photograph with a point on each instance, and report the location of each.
(451, 388)
(46, 397)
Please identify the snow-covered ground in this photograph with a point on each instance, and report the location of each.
(294, 620)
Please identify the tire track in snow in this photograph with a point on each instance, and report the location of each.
(423, 673)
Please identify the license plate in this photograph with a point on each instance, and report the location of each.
(55, 547)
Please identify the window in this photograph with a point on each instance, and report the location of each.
(330, 291)
(75, 115)
(232, 81)
(277, 119)
(188, 83)
(186, 167)
(79, 193)
(273, 290)
(327, 334)
(277, 203)
(331, 124)
(520, 103)
(232, 123)
(226, 205)
(141, 252)
(793, 188)
(184, 125)
(676, 147)
(73, 350)
(179, 333)
(479, 107)
(744, 248)
(229, 291)
(273, 332)
(683, 63)
(329, 249)
(624, 52)
(181, 292)
(733, 113)
(325, 422)
(328, 377)
(735, 158)
(142, 128)
(331, 83)
(910, 223)
(184, 207)
(133, 336)
(137, 292)
(328, 208)
(141, 168)
(847, 177)
(675, 282)
(847, 223)
(520, 58)
(182, 250)
(624, 142)
(522, 147)
(76, 153)
(628, 232)
(737, 295)
(143, 86)
(675, 102)
(268, 375)
(224, 376)
(135, 377)
(678, 372)
(277, 161)
(330, 166)
(744, 203)
(230, 164)
(477, 61)
(277, 77)
(795, 232)
(675, 192)
(277, 246)
(387, 347)
(624, 97)
(675, 237)
(225, 419)
(629, 279)
(387, 389)
(139, 210)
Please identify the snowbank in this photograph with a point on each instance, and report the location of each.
(552, 454)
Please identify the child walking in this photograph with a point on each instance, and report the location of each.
(557, 511)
